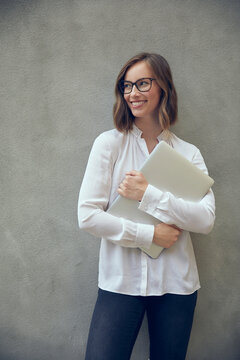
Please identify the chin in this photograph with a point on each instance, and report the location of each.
(139, 113)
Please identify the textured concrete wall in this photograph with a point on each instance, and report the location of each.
(55, 58)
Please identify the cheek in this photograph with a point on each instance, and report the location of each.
(126, 98)
(155, 98)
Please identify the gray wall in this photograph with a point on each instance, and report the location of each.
(55, 58)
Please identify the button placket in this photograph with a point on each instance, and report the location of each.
(144, 274)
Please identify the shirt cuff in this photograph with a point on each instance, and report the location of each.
(151, 199)
(145, 233)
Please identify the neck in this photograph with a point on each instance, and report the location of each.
(150, 127)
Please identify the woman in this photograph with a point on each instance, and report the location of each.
(130, 282)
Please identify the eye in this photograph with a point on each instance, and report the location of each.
(143, 82)
(126, 85)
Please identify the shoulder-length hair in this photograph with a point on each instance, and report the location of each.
(168, 110)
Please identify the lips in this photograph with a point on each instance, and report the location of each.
(136, 104)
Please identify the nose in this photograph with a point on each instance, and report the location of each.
(134, 90)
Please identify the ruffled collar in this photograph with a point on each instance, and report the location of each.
(165, 135)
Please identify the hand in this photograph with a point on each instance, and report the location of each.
(133, 186)
(166, 235)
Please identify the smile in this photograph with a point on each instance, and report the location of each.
(137, 103)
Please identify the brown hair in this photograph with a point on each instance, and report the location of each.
(123, 118)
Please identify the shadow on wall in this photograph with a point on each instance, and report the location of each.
(7, 7)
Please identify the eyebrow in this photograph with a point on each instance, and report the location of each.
(143, 77)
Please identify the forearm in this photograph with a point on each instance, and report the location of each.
(191, 216)
(117, 230)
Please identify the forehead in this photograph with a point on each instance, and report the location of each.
(137, 71)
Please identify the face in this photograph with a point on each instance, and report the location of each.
(142, 104)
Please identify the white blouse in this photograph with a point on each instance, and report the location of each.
(123, 267)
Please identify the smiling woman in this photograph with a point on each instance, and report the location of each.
(131, 283)
(156, 68)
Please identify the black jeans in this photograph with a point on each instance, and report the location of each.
(117, 320)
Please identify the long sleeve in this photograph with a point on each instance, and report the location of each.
(123, 268)
(191, 216)
(94, 198)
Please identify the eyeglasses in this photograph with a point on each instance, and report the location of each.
(142, 85)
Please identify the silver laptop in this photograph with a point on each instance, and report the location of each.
(167, 170)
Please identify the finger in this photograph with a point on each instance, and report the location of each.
(133, 173)
(120, 192)
(122, 187)
(125, 182)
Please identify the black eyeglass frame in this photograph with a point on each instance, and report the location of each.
(134, 83)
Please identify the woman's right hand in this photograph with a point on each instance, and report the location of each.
(166, 235)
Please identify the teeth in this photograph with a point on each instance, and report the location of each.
(135, 103)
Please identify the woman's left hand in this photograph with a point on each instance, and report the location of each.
(133, 186)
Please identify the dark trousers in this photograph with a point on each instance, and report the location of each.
(117, 320)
